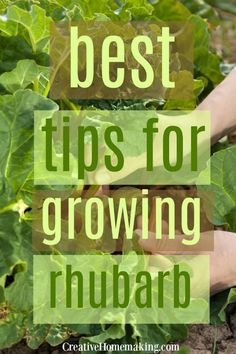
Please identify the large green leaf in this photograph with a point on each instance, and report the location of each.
(15, 240)
(208, 64)
(16, 140)
(36, 334)
(201, 32)
(8, 28)
(13, 49)
(171, 10)
(11, 330)
(231, 298)
(217, 304)
(205, 62)
(22, 76)
(7, 256)
(222, 188)
(34, 23)
(19, 294)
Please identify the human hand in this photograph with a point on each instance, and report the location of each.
(222, 106)
(222, 258)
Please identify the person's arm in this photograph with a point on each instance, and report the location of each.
(222, 259)
(221, 102)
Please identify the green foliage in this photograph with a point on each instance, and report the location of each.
(231, 298)
(33, 25)
(223, 181)
(16, 139)
(221, 213)
(202, 9)
(228, 6)
(25, 73)
(24, 69)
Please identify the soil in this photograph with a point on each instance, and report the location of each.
(207, 339)
(202, 339)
